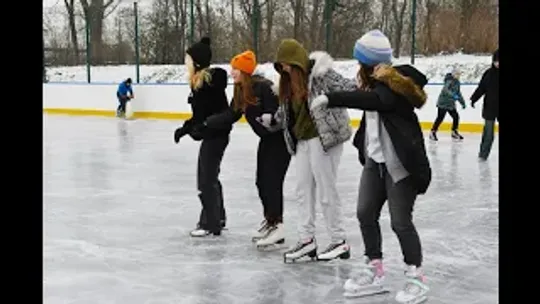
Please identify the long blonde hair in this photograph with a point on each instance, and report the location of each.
(196, 79)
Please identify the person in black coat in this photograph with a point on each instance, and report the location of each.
(391, 149)
(489, 88)
(253, 97)
(207, 97)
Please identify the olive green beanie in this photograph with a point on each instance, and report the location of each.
(292, 52)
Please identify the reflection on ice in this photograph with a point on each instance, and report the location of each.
(120, 199)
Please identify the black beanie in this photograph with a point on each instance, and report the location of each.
(201, 53)
(496, 55)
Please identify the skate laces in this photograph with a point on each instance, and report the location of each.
(368, 272)
(332, 246)
(264, 226)
(415, 282)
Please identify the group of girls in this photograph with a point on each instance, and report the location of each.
(305, 115)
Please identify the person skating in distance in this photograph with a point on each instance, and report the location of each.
(395, 164)
(446, 103)
(253, 96)
(489, 88)
(316, 140)
(207, 97)
(124, 93)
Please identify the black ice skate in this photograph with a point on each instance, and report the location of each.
(456, 136)
(274, 238)
(300, 250)
(335, 250)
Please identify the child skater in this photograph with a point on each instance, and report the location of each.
(124, 93)
(316, 140)
(396, 168)
(446, 103)
(253, 96)
(207, 97)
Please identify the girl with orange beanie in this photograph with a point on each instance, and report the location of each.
(253, 97)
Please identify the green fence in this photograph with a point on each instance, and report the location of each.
(159, 35)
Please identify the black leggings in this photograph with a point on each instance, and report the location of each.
(211, 152)
(273, 160)
(440, 117)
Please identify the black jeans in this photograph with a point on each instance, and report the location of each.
(121, 104)
(210, 189)
(272, 163)
(376, 186)
(440, 117)
(488, 136)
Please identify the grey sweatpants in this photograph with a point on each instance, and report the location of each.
(316, 172)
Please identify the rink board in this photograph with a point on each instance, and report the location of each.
(168, 101)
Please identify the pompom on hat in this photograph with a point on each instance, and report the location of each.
(201, 53)
(373, 48)
(245, 62)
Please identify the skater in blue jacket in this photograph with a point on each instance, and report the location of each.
(124, 94)
(447, 104)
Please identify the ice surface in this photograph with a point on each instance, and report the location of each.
(120, 200)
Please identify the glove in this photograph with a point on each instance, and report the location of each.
(265, 120)
(319, 101)
(472, 104)
(464, 106)
(179, 133)
(197, 133)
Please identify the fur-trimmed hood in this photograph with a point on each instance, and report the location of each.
(403, 80)
(320, 63)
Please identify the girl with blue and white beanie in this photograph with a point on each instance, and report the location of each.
(396, 168)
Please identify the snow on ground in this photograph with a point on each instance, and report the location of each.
(471, 66)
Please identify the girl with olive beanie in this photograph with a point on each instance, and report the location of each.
(207, 97)
(253, 96)
(316, 140)
(396, 168)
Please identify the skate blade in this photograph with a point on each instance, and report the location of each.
(419, 300)
(271, 247)
(349, 294)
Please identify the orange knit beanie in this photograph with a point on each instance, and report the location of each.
(245, 62)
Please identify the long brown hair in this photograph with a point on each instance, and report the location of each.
(365, 77)
(243, 93)
(293, 85)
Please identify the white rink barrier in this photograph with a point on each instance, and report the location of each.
(169, 101)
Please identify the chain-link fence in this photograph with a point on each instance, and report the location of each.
(96, 33)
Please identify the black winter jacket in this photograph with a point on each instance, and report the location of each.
(267, 102)
(489, 88)
(397, 91)
(206, 101)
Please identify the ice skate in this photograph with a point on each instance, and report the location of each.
(273, 240)
(415, 290)
(261, 231)
(119, 114)
(433, 136)
(367, 282)
(456, 136)
(335, 250)
(300, 250)
(201, 233)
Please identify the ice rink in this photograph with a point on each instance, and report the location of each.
(120, 199)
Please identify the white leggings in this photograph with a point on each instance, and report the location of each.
(317, 178)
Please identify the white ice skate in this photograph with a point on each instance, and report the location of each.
(274, 239)
(200, 233)
(415, 290)
(335, 250)
(261, 231)
(301, 249)
(367, 282)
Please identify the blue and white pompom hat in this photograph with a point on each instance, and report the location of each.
(373, 48)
